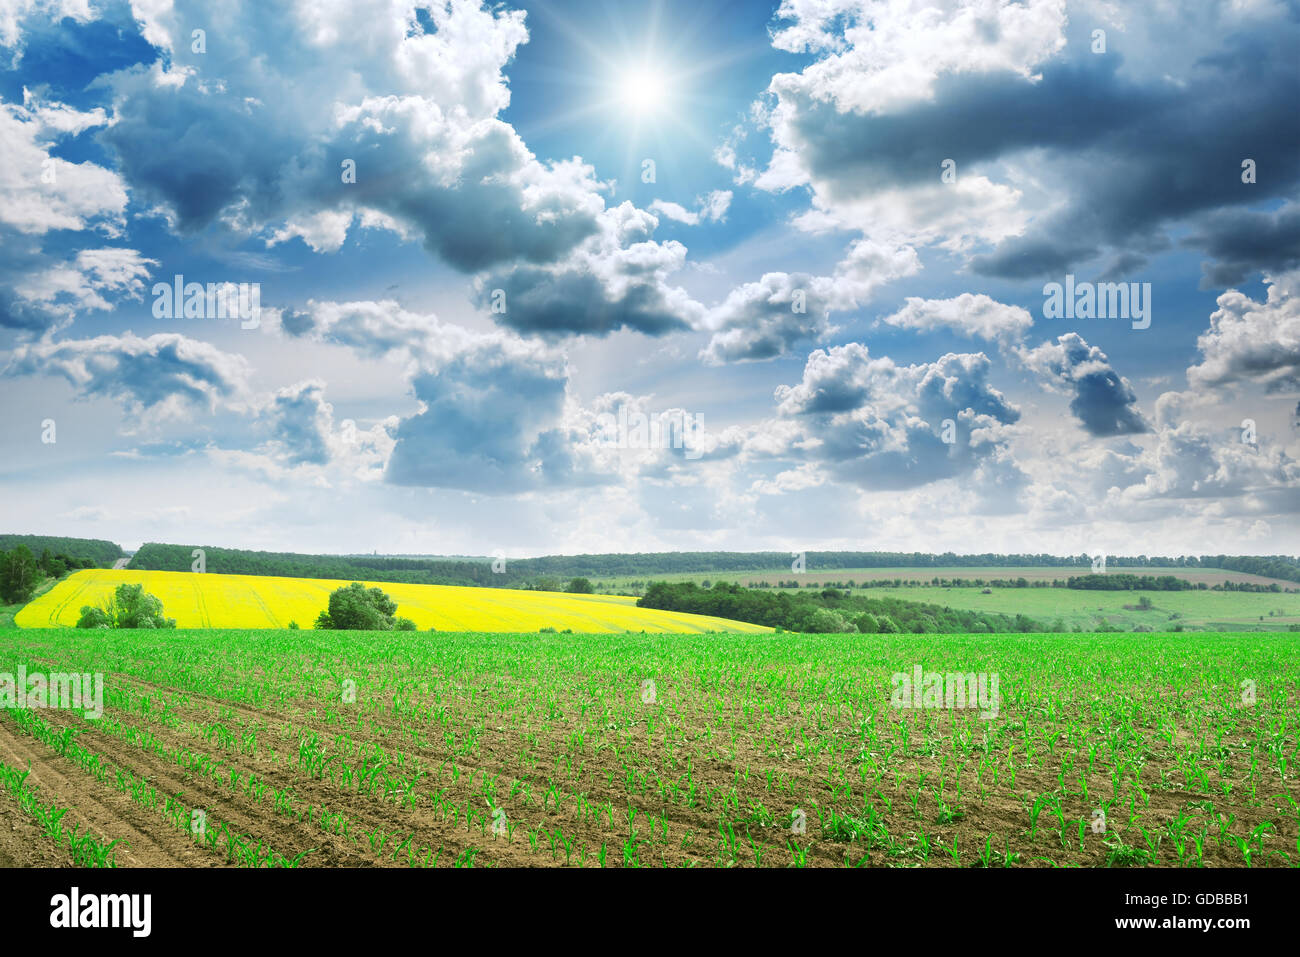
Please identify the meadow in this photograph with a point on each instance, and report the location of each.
(1089, 610)
(307, 748)
(1082, 609)
(254, 601)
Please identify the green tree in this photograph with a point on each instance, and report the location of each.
(823, 621)
(129, 607)
(867, 624)
(92, 617)
(19, 575)
(579, 586)
(357, 608)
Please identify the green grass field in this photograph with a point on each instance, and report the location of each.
(1083, 609)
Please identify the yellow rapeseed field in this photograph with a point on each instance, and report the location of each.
(256, 601)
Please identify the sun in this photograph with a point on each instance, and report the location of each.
(644, 90)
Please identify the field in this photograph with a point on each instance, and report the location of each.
(1211, 576)
(305, 748)
(252, 601)
(1086, 609)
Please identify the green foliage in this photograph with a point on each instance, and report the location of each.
(552, 571)
(19, 575)
(92, 617)
(828, 611)
(130, 607)
(579, 586)
(77, 552)
(823, 621)
(357, 608)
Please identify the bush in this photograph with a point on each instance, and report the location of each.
(867, 624)
(579, 586)
(826, 622)
(92, 617)
(130, 607)
(357, 608)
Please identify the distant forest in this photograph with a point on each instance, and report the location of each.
(100, 553)
(551, 573)
(831, 611)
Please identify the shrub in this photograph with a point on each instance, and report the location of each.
(129, 607)
(867, 624)
(357, 608)
(823, 621)
(92, 617)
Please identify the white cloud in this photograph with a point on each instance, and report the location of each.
(967, 314)
(1250, 341)
(767, 319)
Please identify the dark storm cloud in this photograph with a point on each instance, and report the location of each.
(1243, 242)
(1133, 157)
(1102, 401)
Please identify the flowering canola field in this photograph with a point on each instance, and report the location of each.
(258, 601)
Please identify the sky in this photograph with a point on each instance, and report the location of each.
(550, 278)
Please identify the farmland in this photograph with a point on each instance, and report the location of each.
(1081, 609)
(1087, 610)
(1035, 573)
(306, 748)
(251, 601)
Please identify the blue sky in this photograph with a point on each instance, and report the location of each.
(811, 240)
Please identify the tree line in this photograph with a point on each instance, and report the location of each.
(100, 553)
(828, 611)
(550, 573)
(21, 572)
